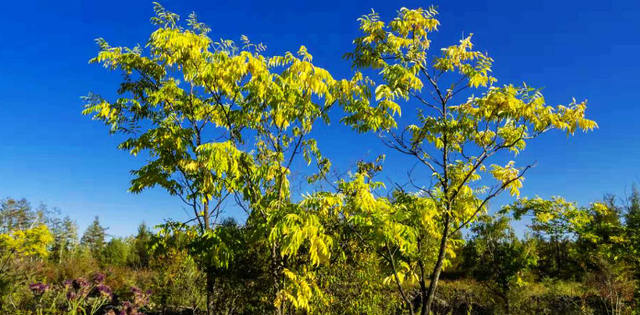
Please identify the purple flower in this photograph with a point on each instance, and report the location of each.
(136, 290)
(104, 290)
(80, 283)
(71, 295)
(128, 309)
(38, 288)
(98, 278)
(140, 298)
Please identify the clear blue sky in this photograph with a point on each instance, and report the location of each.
(50, 153)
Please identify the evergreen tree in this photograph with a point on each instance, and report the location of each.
(65, 239)
(16, 214)
(632, 215)
(141, 254)
(632, 227)
(94, 237)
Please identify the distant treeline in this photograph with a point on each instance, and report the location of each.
(574, 260)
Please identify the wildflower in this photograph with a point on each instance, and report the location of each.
(140, 298)
(104, 290)
(81, 287)
(38, 288)
(80, 283)
(128, 309)
(98, 278)
(71, 295)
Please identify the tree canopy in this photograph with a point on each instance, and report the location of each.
(220, 122)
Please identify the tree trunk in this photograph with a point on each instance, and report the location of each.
(423, 288)
(210, 285)
(435, 275)
(507, 303)
(275, 271)
(205, 215)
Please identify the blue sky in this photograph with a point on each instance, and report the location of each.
(50, 153)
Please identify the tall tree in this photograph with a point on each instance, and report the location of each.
(141, 246)
(463, 121)
(70, 229)
(224, 123)
(632, 226)
(65, 237)
(94, 237)
(16, 214)
(632, 213)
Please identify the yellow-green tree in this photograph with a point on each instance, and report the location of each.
(222, 124)
(17, 248)
(31, 242)
(463, 120)
(23, 232)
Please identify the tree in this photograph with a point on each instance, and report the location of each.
(31, 242)
(632, 226)
(116, 252)
(603, 247)
(17, 248)
(218, 123)
(556, 224)
(453, 137)
(16, 215)
(632, 215)
(141, 251)
(94, 238)
(603, 236)
(65, 239)
(498, 259)
(23, 232)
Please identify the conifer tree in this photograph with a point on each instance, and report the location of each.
(94, 237)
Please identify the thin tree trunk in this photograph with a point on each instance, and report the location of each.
(397, 280)
(423, 288)
(435, 275)
(210, 284)
(205, 215)
(210, 278)
(275, 271)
